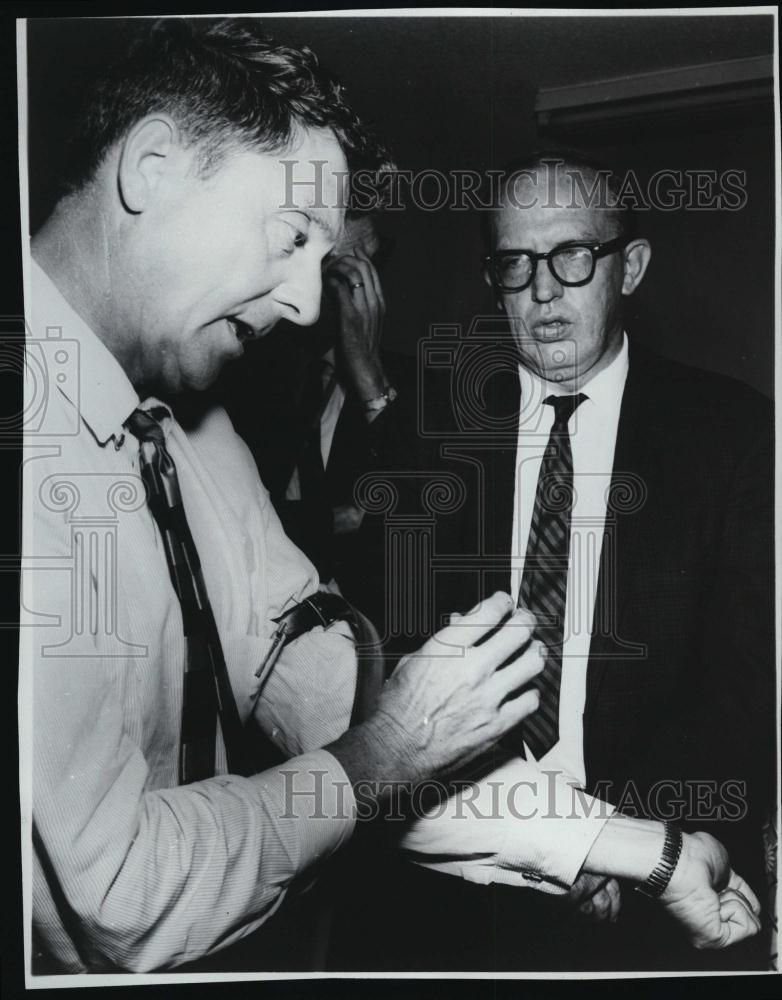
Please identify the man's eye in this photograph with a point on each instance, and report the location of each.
(294, 239)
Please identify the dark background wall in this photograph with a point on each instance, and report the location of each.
(458, 94)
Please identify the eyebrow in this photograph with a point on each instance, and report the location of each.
(588, 238)
(319, 219)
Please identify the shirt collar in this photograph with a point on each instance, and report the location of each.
(102, 392)
(605, 389)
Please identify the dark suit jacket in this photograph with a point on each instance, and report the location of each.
(680, 676)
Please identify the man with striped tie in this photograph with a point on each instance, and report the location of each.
(626, 501)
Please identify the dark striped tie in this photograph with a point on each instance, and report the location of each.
(544, 581)
(207, 687)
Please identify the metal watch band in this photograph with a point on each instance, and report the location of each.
(388, 395)
(658, 881)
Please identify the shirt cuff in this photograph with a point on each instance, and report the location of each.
(550, 834)
(313, 795)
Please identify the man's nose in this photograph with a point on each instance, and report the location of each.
(300, 296)
(545, 286)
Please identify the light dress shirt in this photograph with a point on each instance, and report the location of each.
(592, 429)
(129, 870)
(542, 802)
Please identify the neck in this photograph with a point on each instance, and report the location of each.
(583, 378)
(74, 247)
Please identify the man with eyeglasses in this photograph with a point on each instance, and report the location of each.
(630, 511)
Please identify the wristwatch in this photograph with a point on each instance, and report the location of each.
(662, 874)
(380, 402)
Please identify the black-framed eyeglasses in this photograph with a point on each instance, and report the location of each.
(571, 263)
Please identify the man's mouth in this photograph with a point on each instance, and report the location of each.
(242, 331)
(550, 329)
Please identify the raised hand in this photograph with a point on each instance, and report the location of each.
(355, 285)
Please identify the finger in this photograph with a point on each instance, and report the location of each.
(601, 905)
(361, 253)
(464, 630)
(586, 909)
(340, 286)
(353, 298)
(509, 640)
(738, 922)
(373, 274)
(518, 673)
(736, 918)
(737, 882)
(733, 896)
(355, 271)
(514, 709)
(591, 907)
(344, 277)
(586, 885)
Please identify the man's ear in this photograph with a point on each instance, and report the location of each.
(487, 277)
(145, 154)
(637, 255)
(498, 298)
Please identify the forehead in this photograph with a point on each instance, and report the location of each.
(547, 210)
(309, 176)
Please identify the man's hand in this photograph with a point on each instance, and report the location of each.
(595, 897)
(448, 702)
(715, 906)
(355, 284)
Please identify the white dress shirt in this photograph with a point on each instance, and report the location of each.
(592, 429)
(129, 869)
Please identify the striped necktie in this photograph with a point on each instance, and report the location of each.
(544, 581)
(207, 687)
